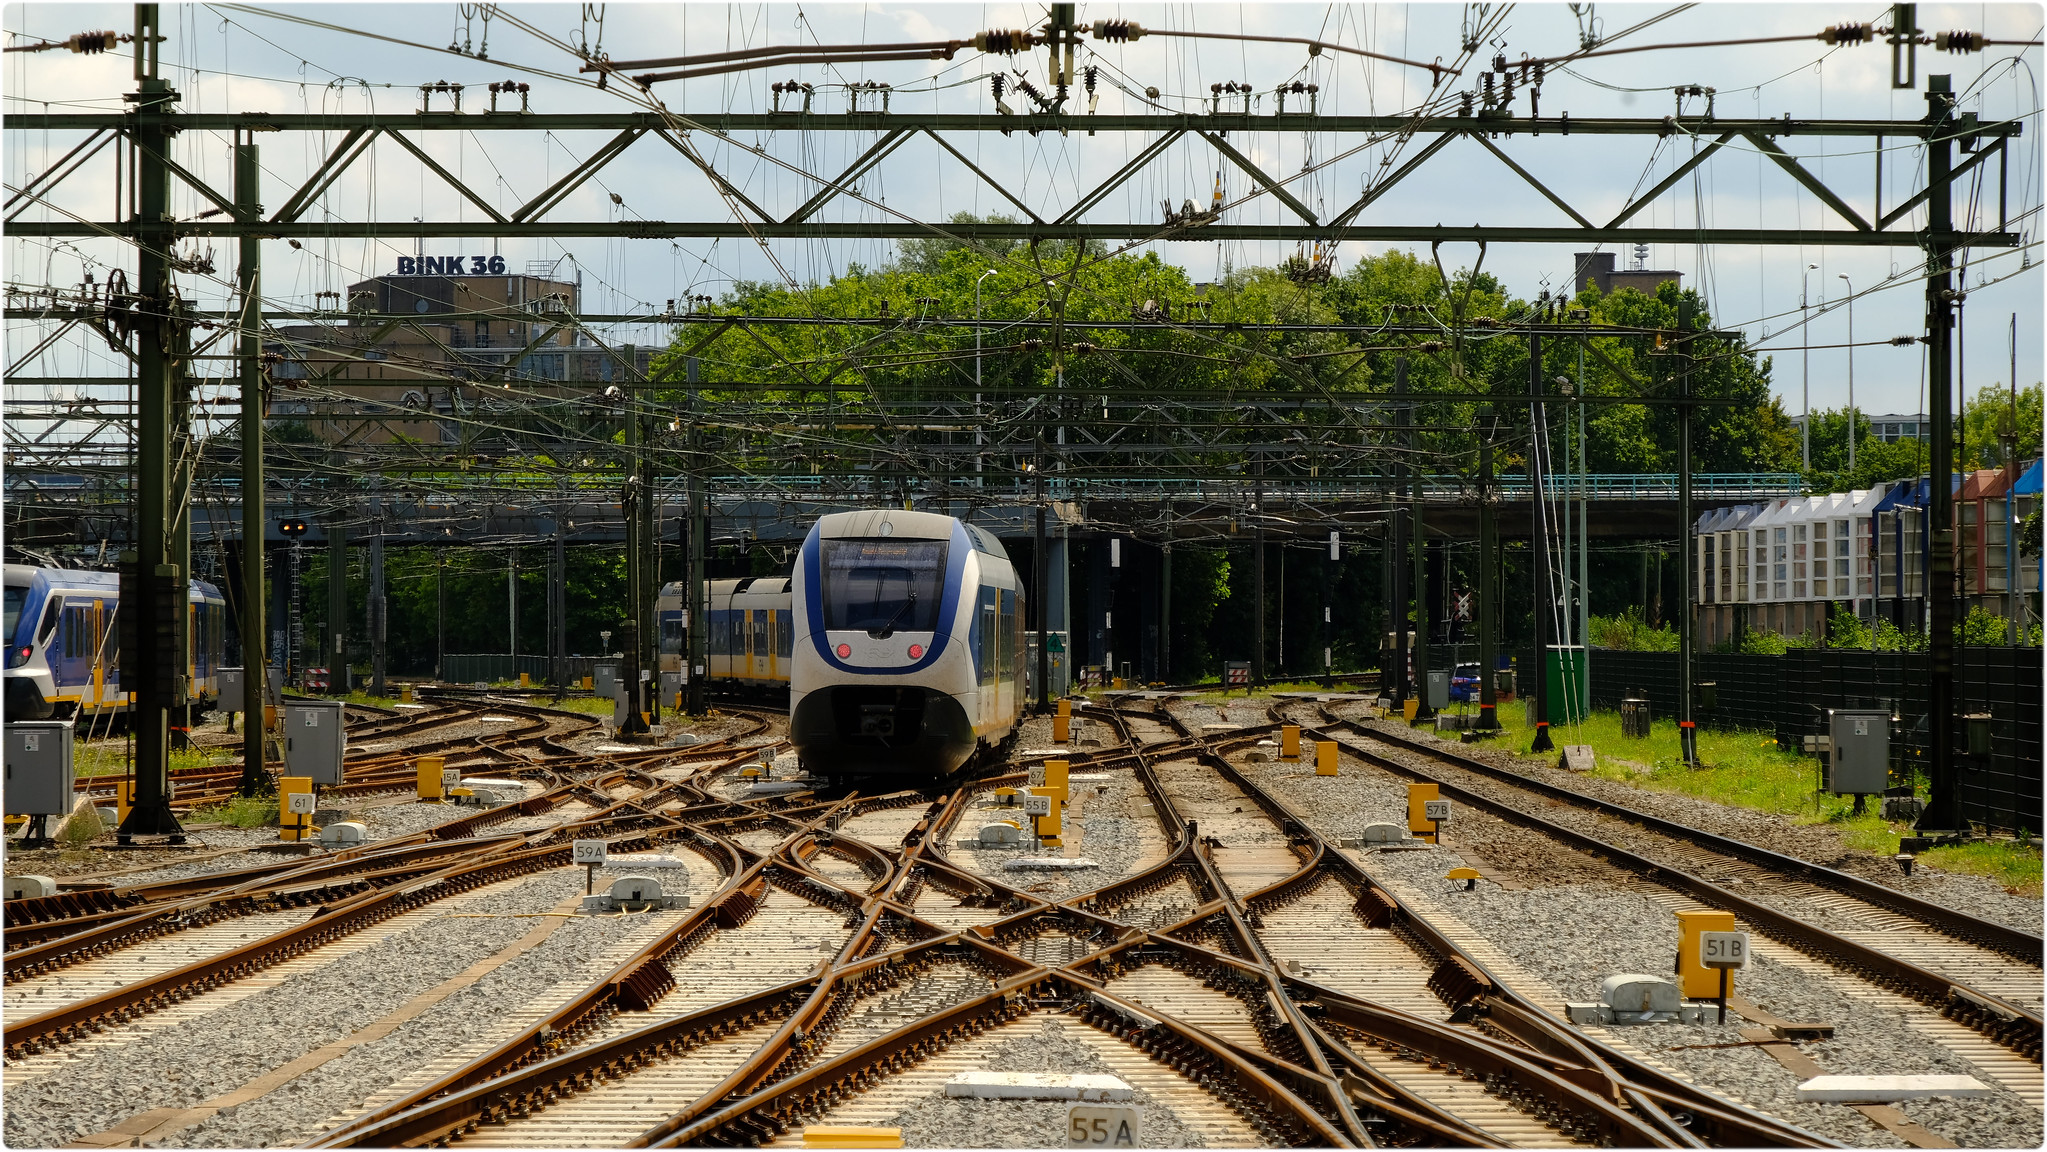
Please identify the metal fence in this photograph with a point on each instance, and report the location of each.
(491, 667)
(1790, 695)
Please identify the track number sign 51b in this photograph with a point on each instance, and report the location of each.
(1723, 949)
(1102, 1126)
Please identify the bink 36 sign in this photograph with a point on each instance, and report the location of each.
(450, 266)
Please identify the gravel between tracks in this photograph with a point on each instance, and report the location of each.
(1818, 843)
(941, 1121)
(1116, 832)
(1612, 932)
(221, 1051)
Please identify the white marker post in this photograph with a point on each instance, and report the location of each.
(1436, 812)
(1103, 1126)
(1725, 951)
(590, 854)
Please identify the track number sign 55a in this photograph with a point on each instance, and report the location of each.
(1102, 1126)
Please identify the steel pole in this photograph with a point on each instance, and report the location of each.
(1545, 596)
(1943, 810)
(1488, 576)
(254, 621)
(154, 613)
(1687, 727)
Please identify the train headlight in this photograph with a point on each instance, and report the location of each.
(845, 650)
(916, 651)
(16, 657)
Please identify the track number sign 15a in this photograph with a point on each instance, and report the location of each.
(1723, 949)
(1102, 1126)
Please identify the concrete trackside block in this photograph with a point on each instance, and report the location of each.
(1576, 758)
(980, 1084)
(1888, 1089)
(776, 787)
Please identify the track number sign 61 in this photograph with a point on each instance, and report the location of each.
(1102, 1126)
(1723, 949)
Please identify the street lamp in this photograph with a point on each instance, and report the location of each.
(1805, 384)
(1851, 370)
(980, 424)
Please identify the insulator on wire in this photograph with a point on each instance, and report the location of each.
(1004, 41)
(91, 43)
(1118, 31)
(1088, 78)
(995, 82)
(1958, 41)
(1848, 34)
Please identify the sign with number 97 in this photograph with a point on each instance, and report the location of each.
(1103, 1126)
(1723, 949)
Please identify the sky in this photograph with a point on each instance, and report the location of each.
(235, 58)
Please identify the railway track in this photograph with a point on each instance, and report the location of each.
(918, 966)
(1983, 975)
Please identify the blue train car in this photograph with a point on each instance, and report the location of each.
(63, 643)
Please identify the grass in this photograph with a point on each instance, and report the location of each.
(110, 757)
(240, 812)
(1748, 770)
(589, 705)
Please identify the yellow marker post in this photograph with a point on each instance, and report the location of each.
(1062, 727)
(851, 1136)
(1470, 876)
(405, 693)
(525, 679)
(1290, 741)
(429, 769)
(1695, 980)
(124, 798)
(293, 825)
(1325, 757)
(1418, 822)
(1409, 707)
(589, 683)
(1004, 796)
(1048, 825)
(1065, 708)
(1055, 780)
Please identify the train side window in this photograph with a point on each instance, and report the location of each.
(51, 615)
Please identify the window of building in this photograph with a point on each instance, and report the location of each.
(483, 333)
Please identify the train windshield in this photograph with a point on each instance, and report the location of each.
(16, 597)
(882, 586)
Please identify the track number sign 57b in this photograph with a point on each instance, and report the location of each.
(1102, 1126)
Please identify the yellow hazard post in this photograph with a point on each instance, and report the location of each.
(429, 770)
(1418, 822)
(1694, 980)
(124, 799)
(1048, 825)
(1325, 757)
(1065, 708)
(851, 1136)
(293, 825)
(1062, 727)
(525, 679)
(1055, 780)
(1408, 708)
(1290, 741)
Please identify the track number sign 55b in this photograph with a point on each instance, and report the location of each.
(1102, 1126)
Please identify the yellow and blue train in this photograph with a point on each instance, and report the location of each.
(63, 644)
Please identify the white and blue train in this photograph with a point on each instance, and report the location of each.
(908, 647)
(63, 644)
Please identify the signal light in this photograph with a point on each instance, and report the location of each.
(845, 650)
(292, 528)
(916, 651)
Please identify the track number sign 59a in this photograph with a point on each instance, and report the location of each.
(586, 852)
(1723, 949)
(1102, 1126)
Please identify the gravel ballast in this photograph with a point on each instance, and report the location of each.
(223, 1050)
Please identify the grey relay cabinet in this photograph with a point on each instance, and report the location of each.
(1859, 761)
(39, 772)
(314, 740)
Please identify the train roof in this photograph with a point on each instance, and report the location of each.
(876, 522)
(23, 575)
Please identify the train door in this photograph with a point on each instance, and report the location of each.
(99, 655)
(758, 630)
(774, 648)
